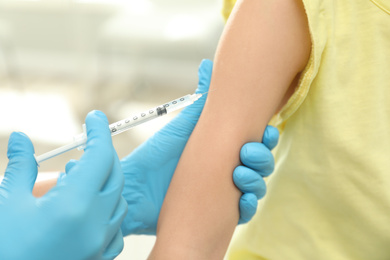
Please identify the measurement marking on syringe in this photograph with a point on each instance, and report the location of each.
(125, 124)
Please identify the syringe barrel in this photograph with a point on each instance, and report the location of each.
(179, 103)
(130, 122)
(137, 119)
(125, 124)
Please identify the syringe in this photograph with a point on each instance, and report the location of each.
(80, 141)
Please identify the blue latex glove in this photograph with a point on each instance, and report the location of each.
(258, 163)
(78, 219)
(148, 169)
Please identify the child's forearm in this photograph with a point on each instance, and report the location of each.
(263, 48)
(42, 187)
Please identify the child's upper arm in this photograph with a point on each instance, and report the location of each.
(264, 46)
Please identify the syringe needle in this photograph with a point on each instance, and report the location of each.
(208, 92)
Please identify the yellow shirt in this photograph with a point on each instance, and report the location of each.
(329, 197)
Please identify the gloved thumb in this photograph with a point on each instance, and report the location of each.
(204, 74)
(183, 124)
(205, 70)
(21, 171)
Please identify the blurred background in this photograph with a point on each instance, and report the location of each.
(60, 59)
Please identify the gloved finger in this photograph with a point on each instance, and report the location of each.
(248, 207)
(21, 171)
(116, 179)
(248, 181)
(204, 73)
(70, 165)
(61, 177)
(204, 76)
(112, 190)
(258, 157)
(96, 163)
(115, 247)
(271, 137)
(116, 219)
(183, 124)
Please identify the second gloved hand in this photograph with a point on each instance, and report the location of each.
(79, 219)
(148, 169)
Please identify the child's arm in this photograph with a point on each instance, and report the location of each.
(264, 47)
(42, 187)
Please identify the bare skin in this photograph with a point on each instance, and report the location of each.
(42, 187)
(264, 47)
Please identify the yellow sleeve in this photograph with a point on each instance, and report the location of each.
(318, 15)
(320, 25)
(227, 8)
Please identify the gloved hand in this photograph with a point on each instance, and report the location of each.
(79, 219)
(149, 168)
(258, 163)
